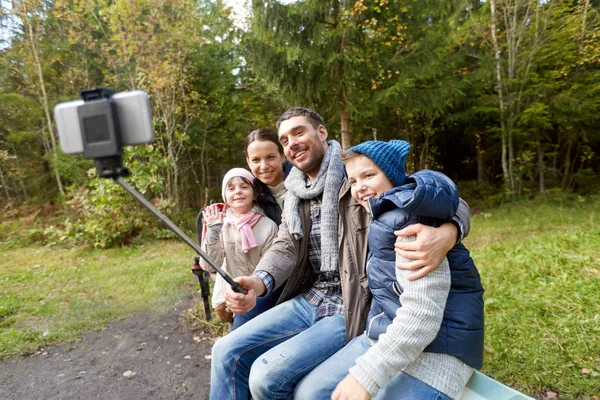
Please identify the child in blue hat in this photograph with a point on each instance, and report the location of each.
(424, 337)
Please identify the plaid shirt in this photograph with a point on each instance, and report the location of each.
(326, 292)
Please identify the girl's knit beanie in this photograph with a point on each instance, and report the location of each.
(233, 173)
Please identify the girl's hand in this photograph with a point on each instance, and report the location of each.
(212, 215)
(350, 389)
(223, 314)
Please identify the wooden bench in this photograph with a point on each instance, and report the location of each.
(482, 387)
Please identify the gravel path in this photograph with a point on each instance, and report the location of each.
(148, 356)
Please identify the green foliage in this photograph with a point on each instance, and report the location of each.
(424, 71)
(107, 215)
(539, 264)
(311, 53)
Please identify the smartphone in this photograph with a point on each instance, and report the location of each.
(134, 116)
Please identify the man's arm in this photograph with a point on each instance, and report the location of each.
(273, 270)
(432, 244)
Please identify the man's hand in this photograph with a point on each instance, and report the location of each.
(428, 250)
(242, 303)
(223, 314)
(350, 389)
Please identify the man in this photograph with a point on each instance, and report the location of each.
(320, 255)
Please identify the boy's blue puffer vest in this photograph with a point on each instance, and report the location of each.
(429, 198)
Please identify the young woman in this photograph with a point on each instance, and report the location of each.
(264, 155)
(424, 337)
(238, 237)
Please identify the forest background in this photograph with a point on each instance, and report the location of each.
(501, 95)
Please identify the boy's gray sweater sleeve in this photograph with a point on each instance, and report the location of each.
(415, 326)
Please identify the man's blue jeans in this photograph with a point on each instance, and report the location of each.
(272, 352)
(321, 382)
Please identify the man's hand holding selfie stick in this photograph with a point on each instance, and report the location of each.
(241, 303)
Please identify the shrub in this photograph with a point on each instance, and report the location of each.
(106, 215)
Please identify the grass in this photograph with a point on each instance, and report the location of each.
(53, 295)
(540, 264)
(539, 261)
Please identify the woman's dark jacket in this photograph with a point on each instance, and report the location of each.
(265, 198)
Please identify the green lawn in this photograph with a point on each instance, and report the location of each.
(50, 295)
(539, 262)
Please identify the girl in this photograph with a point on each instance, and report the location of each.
(236, 238)
(424, 337)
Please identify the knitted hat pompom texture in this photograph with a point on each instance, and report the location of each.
(390, 157)
(232, 173)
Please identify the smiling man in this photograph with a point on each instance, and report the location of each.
(319, 254)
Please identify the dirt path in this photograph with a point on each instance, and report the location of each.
(148, 356)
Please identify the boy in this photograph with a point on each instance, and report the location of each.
(423, 337)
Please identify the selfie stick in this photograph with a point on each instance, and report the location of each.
(171, 225)
(102, 142)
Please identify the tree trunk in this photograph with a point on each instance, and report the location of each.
(511, 160)
(203, 169)
(345, 126)
(425, 148)
(541, 166)
(3, 183)
(481, 178)
(583, 28)
(499, 90)
(44, 100)
(567, 165)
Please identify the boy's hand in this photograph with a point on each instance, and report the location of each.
(428, 250)
(242, 303)
(350, 389)
(212, 214)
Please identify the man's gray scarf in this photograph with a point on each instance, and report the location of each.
(328, 182)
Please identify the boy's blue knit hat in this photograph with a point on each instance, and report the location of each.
(390, 157)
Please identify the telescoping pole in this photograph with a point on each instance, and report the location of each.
(171, 225)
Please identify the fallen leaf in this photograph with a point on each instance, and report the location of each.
(551, 395)
(585, 371)
(488, 349)
(197, 339)
(129, 374)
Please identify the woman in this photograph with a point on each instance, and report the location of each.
(264, 155)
